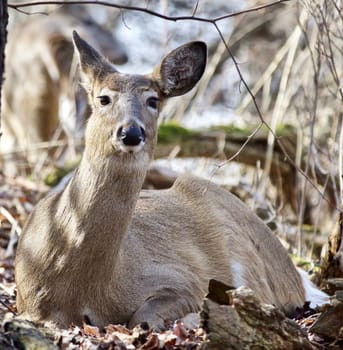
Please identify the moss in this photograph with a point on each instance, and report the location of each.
(54, 177)
(281, 130)
(232, 130)
(301, 262)
(306, 264)
(285, 130)
(56, 174)
(172, 132)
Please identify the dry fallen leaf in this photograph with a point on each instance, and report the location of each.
(90, 330)
(117, 328)
(180, 331)
(152, 343)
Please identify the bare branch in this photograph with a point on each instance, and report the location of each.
(145, 10)
(263, 122)
(195, 8)
(251, 136)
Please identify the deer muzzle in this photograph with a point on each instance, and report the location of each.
(131, 137)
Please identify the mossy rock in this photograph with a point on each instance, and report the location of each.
(232, 130)
(58, 173)
(172, 132)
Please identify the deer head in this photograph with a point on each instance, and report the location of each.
(126, 107)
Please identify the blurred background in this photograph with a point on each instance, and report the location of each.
(276, 145)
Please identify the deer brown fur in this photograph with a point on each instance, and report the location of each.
(104, 250)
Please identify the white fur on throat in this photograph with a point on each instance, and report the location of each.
(312, 294)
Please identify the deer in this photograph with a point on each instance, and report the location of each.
(41, 97)
(105, 251)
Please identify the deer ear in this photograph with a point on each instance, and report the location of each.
(181, 69)
(92, 64)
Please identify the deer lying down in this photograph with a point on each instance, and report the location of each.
(105, 251)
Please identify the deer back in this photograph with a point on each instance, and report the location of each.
(196, 231)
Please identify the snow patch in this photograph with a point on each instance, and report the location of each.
(312, 294)
(237, 272)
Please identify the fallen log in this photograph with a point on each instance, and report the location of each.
(245, 323)
(25, 335)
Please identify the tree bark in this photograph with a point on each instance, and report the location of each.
(3, 40)
(244, 323)
(25, 335)
(332, 262)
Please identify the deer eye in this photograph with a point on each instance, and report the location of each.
(104, 100)
(152, 102)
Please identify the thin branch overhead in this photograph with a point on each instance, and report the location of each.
(22, 5)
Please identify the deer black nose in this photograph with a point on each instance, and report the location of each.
(131, 135)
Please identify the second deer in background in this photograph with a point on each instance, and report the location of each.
(41, 90)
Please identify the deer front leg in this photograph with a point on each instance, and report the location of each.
(163, 307)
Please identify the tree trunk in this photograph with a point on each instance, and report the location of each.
(332, 262)
(3, 40)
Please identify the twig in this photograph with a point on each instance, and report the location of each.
(8, 307)
(195, 8)
(289, 159)
(39, 146)
(145, 10)
(279, 104)
(11, 219)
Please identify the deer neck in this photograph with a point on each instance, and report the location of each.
(104, 196)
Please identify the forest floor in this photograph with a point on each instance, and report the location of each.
(17, 198)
